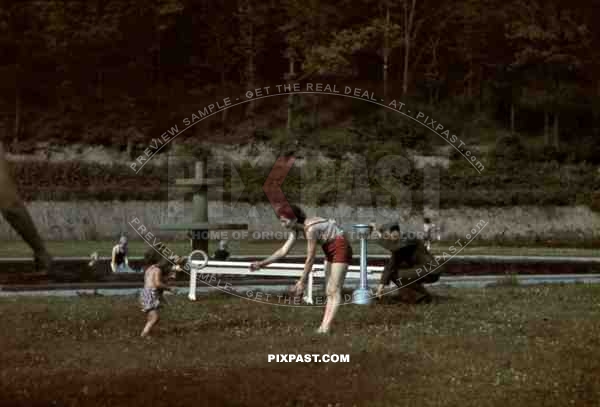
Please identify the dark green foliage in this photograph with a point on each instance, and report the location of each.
(82, 71)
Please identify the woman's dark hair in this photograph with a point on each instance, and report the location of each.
(395, 228)
(299, 214)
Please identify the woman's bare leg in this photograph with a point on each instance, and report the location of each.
(327, 269)
(151, 321)
(334, 294)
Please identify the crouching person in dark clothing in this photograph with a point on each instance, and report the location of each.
(408, 264)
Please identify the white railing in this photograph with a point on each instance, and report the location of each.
(273, 270)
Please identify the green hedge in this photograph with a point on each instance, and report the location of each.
(501, 185)
(78, 181)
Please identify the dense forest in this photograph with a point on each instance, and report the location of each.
(520, 77)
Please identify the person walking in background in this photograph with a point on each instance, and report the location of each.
(430, 229)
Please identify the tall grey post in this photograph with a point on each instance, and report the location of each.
(362, 295)
(199, 226)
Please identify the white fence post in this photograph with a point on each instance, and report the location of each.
(194, 268)
(290, 270)
(192, 293)
(308, 297)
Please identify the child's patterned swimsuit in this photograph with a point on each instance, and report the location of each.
(150, 299)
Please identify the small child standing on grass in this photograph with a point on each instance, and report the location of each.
(158, 272)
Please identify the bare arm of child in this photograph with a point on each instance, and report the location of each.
(158, 281)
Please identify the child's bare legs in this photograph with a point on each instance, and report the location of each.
(151, 321)
(335, 283)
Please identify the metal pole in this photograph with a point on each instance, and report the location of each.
(362, 295)
(363, 263)
(200, 208)
(200, 200)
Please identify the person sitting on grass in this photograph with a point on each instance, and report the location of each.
(335, 245)
(119, 262)
(221, 254)
(158, 272)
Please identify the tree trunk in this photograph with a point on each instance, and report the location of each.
(224, 112)
(408, 22)
(546, 128)
(157, 78)
(512, 118)
(316, 123)
(130, 149)
(386, 55)
(556, 129)
(470, 79)
(17, 128)
(291, 75)
(555, 132)
(433, 74)
(99, 87)
(223, 84)
(481, 90)
(290, 113)
(251, 67)
(246, 12)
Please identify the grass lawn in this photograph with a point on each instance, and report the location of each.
(17, 248)
(502, 346)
